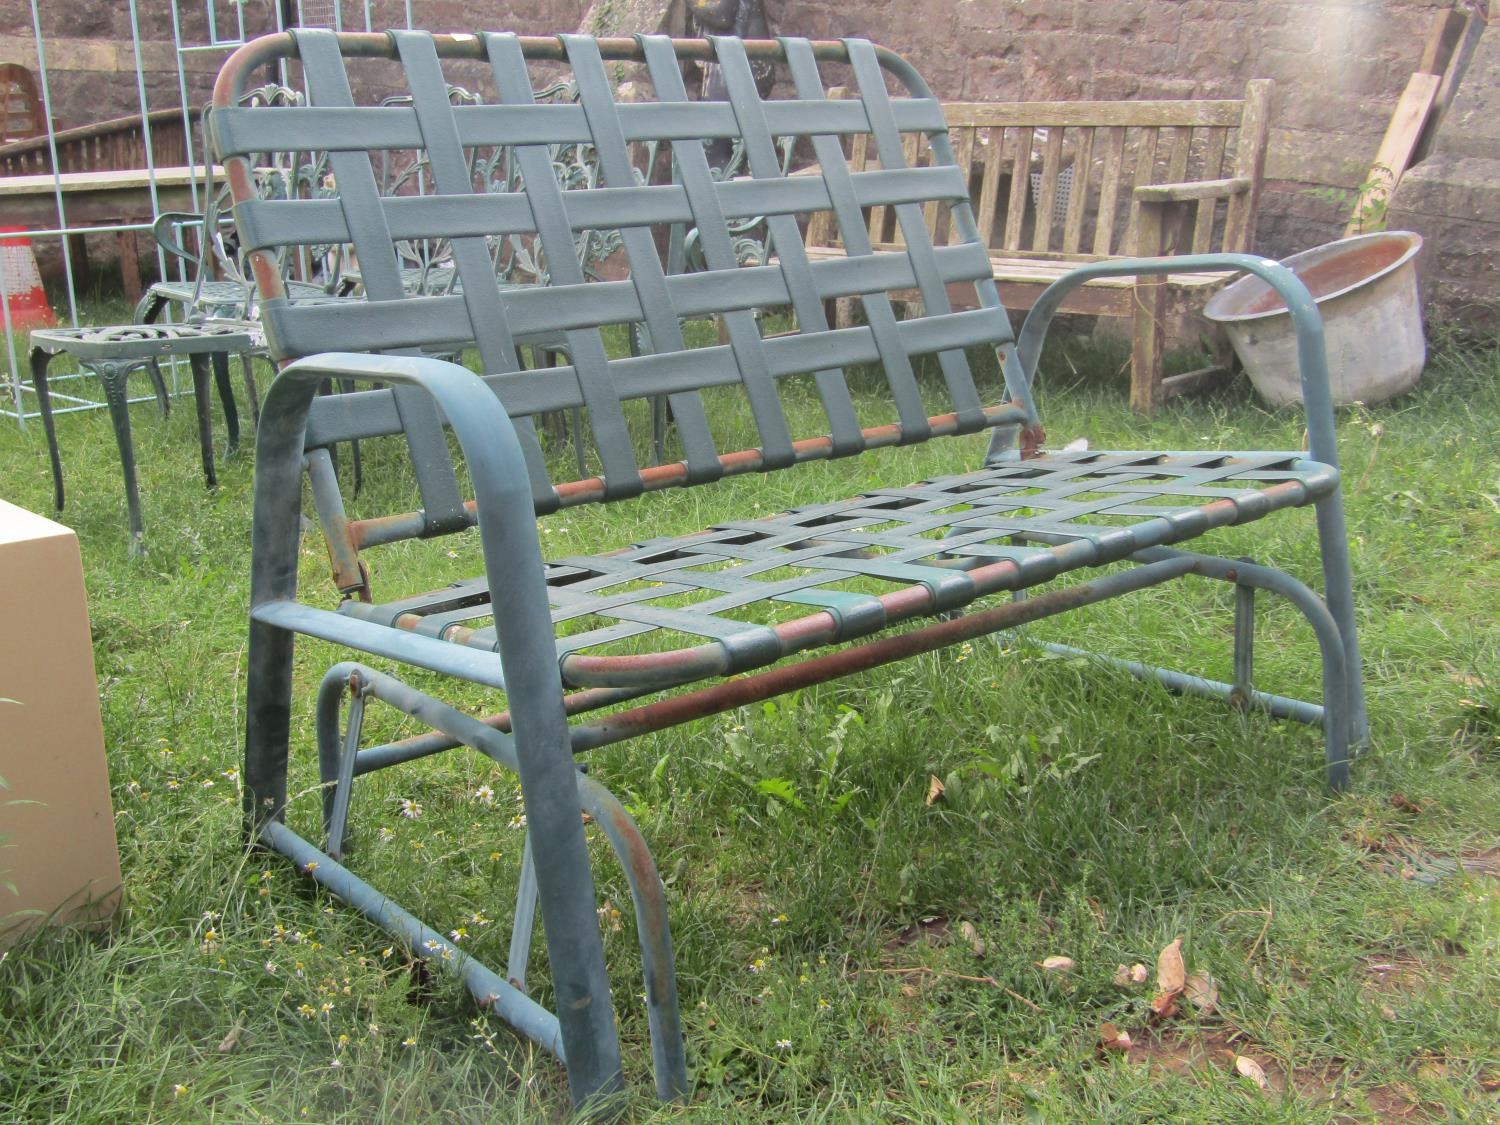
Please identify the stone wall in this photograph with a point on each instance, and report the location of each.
(91, 61)
(1339, 64)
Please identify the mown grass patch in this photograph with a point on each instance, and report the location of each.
(847, 949)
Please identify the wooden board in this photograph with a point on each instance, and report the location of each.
(1395, 154)
(1453, 71)
(74, 182)
(1160, 113)
(1447, 28)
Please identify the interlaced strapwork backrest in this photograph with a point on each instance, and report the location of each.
(903, 292)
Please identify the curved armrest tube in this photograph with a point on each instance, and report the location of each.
(1312, 357)
(502, 491)
(168, 228)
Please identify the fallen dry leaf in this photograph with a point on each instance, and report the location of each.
(1056, 964)
(1165, 1005)
(1202, 992)
(971, 935)
(1247, 1067)
(935, 790)
(933, 928)
(1403, 803)
(1171, 973)
(1122, 976)
(230, 1041)
(1111, 1038)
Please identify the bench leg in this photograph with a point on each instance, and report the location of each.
(524, 922)
(159, 388)
(1338, 587)
(336, 756)
(130, 265)
(1147, 343)
(1148, 333)
(268, 709)
(252, 396)
(650, 898)
(575, 949)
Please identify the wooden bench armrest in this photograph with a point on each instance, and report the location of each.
(1203, 189)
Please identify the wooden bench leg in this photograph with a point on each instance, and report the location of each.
(78, 254)
(130, 265)
(1148, 335)
(1148, 341)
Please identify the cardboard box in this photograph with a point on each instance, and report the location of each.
(57, 826)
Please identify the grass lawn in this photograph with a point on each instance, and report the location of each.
(847, 950)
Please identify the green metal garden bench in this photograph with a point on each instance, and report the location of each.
(592, 649)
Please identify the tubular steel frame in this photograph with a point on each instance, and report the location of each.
(1026, 517)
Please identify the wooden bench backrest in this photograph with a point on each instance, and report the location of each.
(1083, 161)
(570, 311)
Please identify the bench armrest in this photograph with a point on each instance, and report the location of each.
(497, 469)
(507, 529)
(1312, 357)
(1202, 189)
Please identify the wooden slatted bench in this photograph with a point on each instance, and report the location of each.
(1101, 180)
(595, 648)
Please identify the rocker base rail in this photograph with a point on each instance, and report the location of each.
(487, 987)
(1184, 683)
(341, 761)
(337, 756)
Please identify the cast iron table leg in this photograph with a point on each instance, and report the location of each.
(159, 386)
(203, 404)
(247, 362)
(115, 376)
(226, 399)
(40, 358)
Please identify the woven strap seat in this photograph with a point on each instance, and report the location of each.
(747, 587)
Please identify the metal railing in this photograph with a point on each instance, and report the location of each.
(59, 161)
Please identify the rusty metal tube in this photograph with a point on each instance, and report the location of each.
(831, 666)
